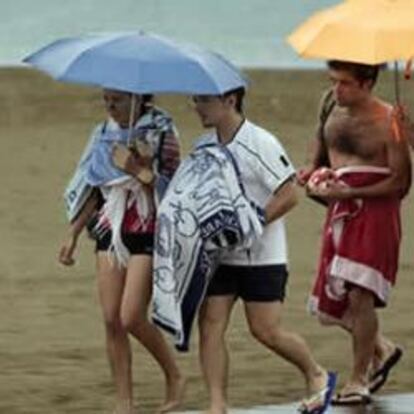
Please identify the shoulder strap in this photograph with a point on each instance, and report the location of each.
(328, 104)
(104, 125)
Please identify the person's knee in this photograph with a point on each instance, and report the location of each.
(265, 333)
(211, 327)
(133, 323)
(112, 323)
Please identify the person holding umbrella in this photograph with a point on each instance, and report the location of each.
(257, 275)
(361, 168)
(130, 183)
(124, 169)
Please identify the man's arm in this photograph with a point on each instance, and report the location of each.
(281, 202)
(317, 152)
(317, 157)
(403, 126)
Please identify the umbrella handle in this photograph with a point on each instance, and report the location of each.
(131, 119)
(396, 83)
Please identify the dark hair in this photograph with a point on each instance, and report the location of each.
(360, 71)
(239, 94)
(147, 98)
(146, 101)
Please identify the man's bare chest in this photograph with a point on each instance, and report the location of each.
(353, 136)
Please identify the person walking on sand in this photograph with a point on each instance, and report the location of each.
(361, 168)
(123, 186)
(258, 275)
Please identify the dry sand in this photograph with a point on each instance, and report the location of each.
(52, 357)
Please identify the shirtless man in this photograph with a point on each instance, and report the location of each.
(369, 172)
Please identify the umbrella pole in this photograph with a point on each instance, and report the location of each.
(396, 83)
(131, 119)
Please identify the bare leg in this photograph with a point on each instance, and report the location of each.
(364, 334)
(134, 316)
(110, 286)
(264, 320)
(213, 321)
(383, 346)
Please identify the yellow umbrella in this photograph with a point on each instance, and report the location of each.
(363, 31)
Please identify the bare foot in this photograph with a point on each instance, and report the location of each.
(352, 394)
(321, 387)
(216, 410)
(353, 388)
(174, 395)
(317, 382)
(124, 407)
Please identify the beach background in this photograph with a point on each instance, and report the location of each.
(52, 356)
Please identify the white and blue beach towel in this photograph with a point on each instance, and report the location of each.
(204, 212)
(96, 169)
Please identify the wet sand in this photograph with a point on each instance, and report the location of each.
(390, 404)
(52, 356)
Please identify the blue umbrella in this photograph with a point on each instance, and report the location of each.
(137, 62)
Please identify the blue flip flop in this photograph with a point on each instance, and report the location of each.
(380, 376)
(319, 402)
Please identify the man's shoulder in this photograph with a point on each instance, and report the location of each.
(257, 136)
(384, 105)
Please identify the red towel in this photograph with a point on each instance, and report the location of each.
(360, 247)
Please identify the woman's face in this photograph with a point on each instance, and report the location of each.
(118, 105)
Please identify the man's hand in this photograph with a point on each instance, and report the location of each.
(331, 190)
(303, 175)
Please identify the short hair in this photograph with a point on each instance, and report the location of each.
(239, 94)
(146, 102)
(360, 71)
(147, 98)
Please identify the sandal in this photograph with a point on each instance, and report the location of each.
(319, 402)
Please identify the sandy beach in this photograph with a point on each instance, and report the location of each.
(52, 355)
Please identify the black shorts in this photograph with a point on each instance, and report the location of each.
(251, 283)
(136, 243)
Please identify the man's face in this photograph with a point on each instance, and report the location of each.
(118, 105)
(210, 109)
(347, 90)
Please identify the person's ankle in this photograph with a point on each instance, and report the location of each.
(124, 406)
(218, 408)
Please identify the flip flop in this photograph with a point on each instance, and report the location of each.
(380, 376)
(319, 402)
(352, 398)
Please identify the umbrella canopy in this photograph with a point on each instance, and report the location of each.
(364, 31)
(137, 62)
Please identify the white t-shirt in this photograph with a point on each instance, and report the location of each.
(264, 168)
